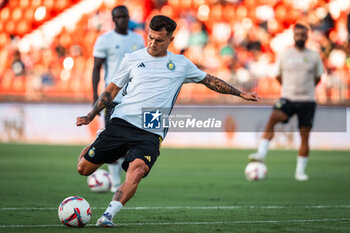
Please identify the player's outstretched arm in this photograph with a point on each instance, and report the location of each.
(103, 101)
(223, 87)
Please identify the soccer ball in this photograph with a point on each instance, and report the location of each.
(255, 171)
(74, 211)
(99, 181)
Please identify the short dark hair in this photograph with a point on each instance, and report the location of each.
(301, 26)
(121, 7)
(159, 22)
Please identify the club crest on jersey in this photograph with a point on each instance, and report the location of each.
(91, 152)
(134, 47)
(170, 65)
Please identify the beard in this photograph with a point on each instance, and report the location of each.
(300, 43)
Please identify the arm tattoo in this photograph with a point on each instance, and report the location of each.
(118, 195)
(219, 85)
(102, 102)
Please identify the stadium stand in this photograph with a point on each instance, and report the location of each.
(19, 17)
(235, 40)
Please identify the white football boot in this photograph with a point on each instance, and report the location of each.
(301, 177)
(105, 221)
(256, 157)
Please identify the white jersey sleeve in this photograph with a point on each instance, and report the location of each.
(193, 75)
(100, 48)
(122, 76)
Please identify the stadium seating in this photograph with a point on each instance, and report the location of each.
(235, 41)
(22, 16)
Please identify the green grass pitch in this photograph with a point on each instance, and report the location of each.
(188, 190)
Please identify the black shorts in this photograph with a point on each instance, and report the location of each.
(304, 110)
(119, 139)
(109, 111)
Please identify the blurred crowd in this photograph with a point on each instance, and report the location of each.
(236, 40)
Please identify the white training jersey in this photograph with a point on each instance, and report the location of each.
(151, 82)
(298, 70)
(113, 46)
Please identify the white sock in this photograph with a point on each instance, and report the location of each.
(113, 208)
(301, 164)
(263, 147)
(115, 171)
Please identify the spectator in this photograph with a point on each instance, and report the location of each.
(17, 66)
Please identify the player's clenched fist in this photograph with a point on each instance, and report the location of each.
(83, 120)
(251, 96)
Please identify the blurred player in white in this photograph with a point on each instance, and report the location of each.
(109, 50)
(299, 71)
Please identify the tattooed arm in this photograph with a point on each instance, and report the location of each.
(223, 87)
(103, 101)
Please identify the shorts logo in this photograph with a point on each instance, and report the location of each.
(91, 152)
(160, 142)
(170, 65)
(280, 103)
(152, 119)
(148, 158)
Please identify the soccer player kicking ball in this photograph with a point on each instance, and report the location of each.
(299, 71)
(109, 50)
(154, 78)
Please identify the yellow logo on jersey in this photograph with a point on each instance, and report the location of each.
(134, 47)
(148, 158)
(170, 65)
